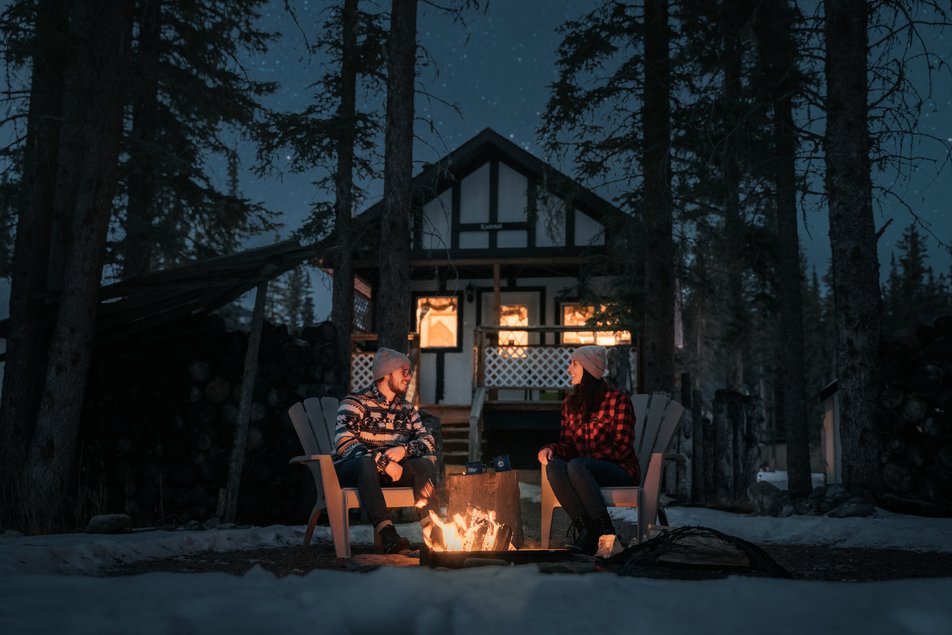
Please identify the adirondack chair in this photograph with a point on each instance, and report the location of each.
(314, 420)
(656, 418)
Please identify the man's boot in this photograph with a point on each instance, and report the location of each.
(391, 541)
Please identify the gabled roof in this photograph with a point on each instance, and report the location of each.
(436, 177)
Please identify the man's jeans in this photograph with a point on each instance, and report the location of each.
(361, 472)
(576, 484)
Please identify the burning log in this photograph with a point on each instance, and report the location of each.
(497, 491)
(475, 531)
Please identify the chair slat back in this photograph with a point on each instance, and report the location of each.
(302, 425)
(329, 405)
(656, 418)
(315, 415)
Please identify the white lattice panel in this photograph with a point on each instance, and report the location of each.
(361, 370)
(543, 367)
(526, 366)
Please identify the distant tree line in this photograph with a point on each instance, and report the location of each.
(718, 124)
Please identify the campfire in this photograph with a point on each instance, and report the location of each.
(477, 530)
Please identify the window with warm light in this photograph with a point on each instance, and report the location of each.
(574, 314)
(437, 319)
(513, 315)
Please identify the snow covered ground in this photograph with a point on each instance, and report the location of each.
(46, 587)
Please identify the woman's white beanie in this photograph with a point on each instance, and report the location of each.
(594, 359)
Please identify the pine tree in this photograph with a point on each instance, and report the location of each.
(392, 301)
(188, 98)
(852, 237)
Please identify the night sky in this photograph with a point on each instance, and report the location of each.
(497, 67)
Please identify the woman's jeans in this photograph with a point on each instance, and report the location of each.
(361, 472)
(576, 484)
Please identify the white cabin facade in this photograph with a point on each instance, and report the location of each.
(499, 240)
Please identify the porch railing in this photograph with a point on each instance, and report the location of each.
(533, 367)
(541, 366)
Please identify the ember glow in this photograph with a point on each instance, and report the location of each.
(476, 531)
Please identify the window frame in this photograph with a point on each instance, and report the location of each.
(414, 300)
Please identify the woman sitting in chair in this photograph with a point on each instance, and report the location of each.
(595, 448)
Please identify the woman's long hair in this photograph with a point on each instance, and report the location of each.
(588, 394)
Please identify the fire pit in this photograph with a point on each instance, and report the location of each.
(462, 559)
(475, 538)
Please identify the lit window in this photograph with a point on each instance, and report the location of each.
(513, 315)
(437, 321)
(582, 315)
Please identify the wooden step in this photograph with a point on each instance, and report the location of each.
(449, 413)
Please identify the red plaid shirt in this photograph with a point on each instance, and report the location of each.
(608, 434)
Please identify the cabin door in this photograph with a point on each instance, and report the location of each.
(517, 308)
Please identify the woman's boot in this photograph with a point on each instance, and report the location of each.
(603, 524)
(586, 538)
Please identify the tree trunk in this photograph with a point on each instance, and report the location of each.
(659, 258)
(28, 339)
(393, 292)
(240, 438)
(86, 179)
(780, 63)
(734, 226)
(136, 246)
(342, 305)
(855, 267)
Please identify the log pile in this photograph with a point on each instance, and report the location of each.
(160, 413)
(913, 419)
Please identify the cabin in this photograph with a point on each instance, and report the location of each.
(500, 241)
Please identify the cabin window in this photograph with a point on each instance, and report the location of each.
(575, 314)
(435, 232)
(588, 231)
(513, 315)
(437, 320)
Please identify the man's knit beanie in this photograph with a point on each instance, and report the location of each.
(594, 359)
(388, 360)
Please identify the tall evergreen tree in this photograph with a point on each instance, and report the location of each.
(86, 173)
(393, 301)
(188, 97)
(658, 204)
(29, 336)
(852, 237)
(780, 73)
(338, 139)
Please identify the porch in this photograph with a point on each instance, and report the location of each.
(517, 389)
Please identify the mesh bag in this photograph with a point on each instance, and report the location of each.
(695, 553)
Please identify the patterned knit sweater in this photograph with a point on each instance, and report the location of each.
(608, 433)
(368, 425)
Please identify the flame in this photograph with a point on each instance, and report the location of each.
(476, 531)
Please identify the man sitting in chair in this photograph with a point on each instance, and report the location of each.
(381, 441)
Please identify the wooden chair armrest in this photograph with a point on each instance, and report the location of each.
(307, 458)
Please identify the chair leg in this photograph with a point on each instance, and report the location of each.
(641, 516)
(547, 509)
(311, 523)
(340, 528)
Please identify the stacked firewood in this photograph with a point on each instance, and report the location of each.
(159, 421)
(915, 418)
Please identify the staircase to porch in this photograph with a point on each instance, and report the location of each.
(454, 424)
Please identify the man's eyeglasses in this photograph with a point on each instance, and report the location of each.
(406, 372)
